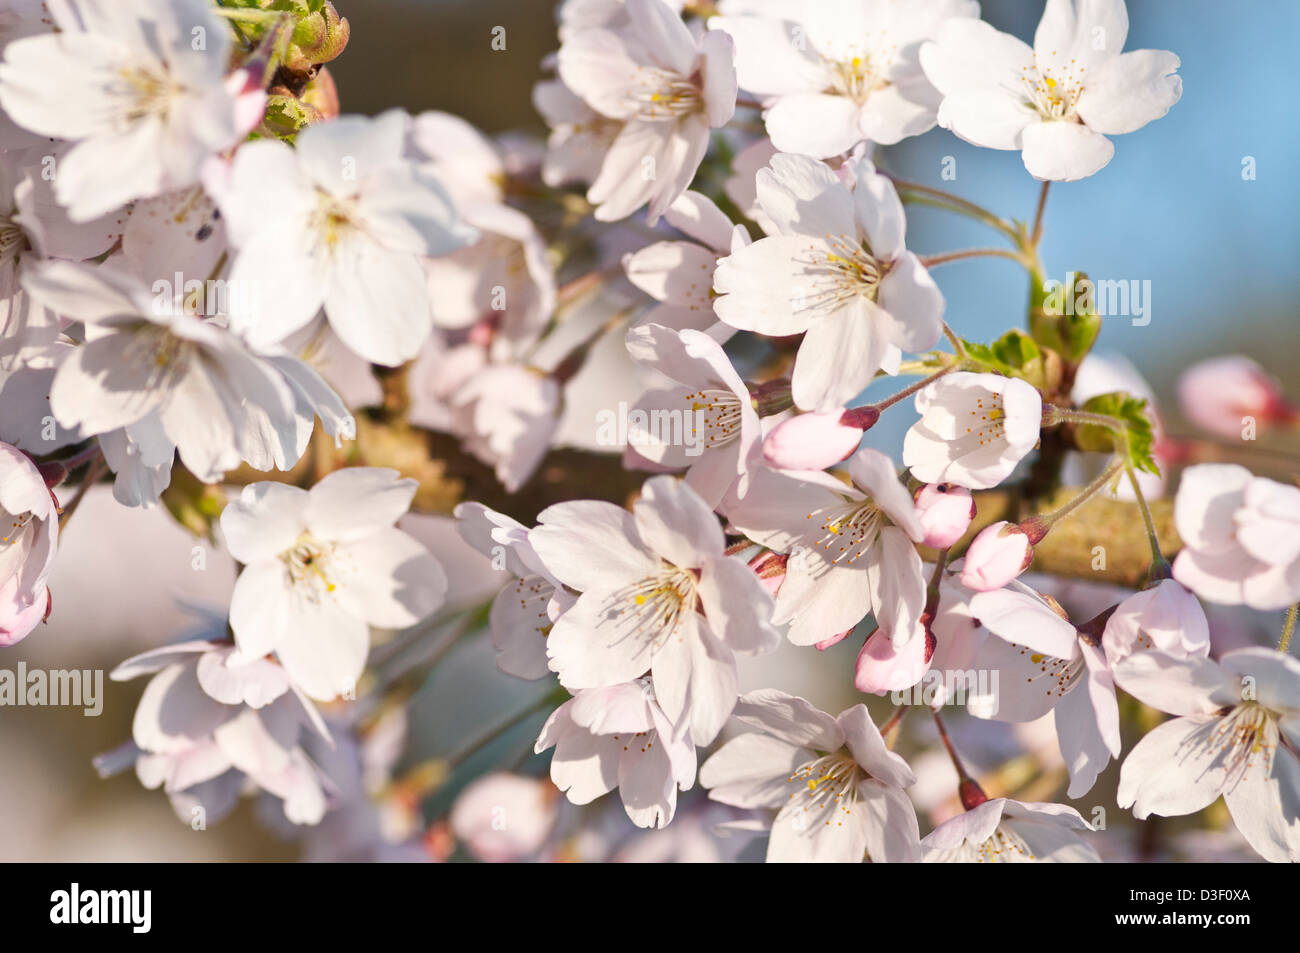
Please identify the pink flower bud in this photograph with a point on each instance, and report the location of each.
(1000, 553)
(825, 644)
(770, 569)
(817, 441)
(945, 511)
(883, 668)
(17, 620)
(1217, 394)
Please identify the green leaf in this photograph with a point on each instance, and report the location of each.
(1016, 354)
(1137, 435)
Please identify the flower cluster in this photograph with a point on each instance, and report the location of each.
(629, 362)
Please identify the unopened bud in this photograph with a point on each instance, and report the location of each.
(945, 511)
(770, 568)
(818, 440)
(999, 554)
(882, 667)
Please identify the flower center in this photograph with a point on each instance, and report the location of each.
(1055, 676)
(308, 563)
(717, 415)
(147, 93)
(840, 268)
(986, 423)
(1001, 845)
(535, 594)
(1242, 737)
(662, 95)
(857, 78)
(848, 530)
(12, 241)
(164, 356)
(15, 541)
(650, 610)
(333, 219)
(827, 782)
(1053, 91)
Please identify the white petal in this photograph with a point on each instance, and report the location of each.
(1064, 151)
(1125, 93)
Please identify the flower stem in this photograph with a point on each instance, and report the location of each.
(958, 345)
(1288, 628)
(938, 198)
(941, 259)
(889, 730)
(972, 795)
(1036, 527)
(500, 728)
(1159, 565)
(97, 469)
(1053, 415)
(1037, 234)
(912, 388)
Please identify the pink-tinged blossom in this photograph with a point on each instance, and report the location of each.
(667, 87)
(850, 547)
(1226, 395)
(1241, 537)
(1003, 831)
(659, 594)
(834, 73)
(837, 272)
(837, 790)
(974, 429)
(817, 441)
(618, 736)
(1233, 735)
(321, 567)
(29, 535)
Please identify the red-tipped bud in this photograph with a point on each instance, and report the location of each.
(971, 794)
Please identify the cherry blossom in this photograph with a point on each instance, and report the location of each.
(342, 217)
(524, 611)
(974, 429)
(619, 736)
(1240, 540)
(718, 433)
(142, 91)
(1058, 100)
(837, 790)
(1003, 831)
(1232, 737)
(321, 567)
(837, 72)
(29, 536)
(850, 549)
(667, 87)
(657, 593)
(837, 272)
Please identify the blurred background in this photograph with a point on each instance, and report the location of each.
(1172, 207)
